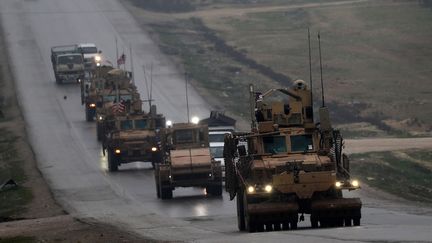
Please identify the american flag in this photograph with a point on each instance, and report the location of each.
(121, 60)
(118, 107)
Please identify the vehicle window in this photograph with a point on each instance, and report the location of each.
(301, 143)
(126, 124)
(274, 144)
(74, 59)
(141, 124)
(108, 98)
(216, 138)
(217, 152)
(184, 136)
(90, 49)
(125, 97)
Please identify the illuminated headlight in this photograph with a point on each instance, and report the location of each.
(268, 188)
(154, 149)
(98, 58)
(117, 151)
(251, 189)
(92, 105)
(100, 118)
(210, 174)
(195, 120)
(168, 123)
(98, 64)
(338, 184)
(355, 183)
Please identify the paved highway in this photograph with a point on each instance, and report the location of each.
(71, 160)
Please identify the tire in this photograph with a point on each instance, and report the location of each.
(314, 221)
(112, 161)
(215, 190)
(89, 117)
(157, 182)
(166, 193)
(249, 223)
(240, 212)
(99, 132)
(58, 80)
(356, 221)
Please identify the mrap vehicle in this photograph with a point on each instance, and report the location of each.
(188, 162)
(292, 166)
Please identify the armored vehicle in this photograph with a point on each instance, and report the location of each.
(134, 136)
(68, 63)
(188, 162)
(292, 166)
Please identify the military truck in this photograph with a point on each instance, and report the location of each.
(99, 95)
(134, 136)
(292, 166)
(188, 162)
(89, 51)
(68, 63)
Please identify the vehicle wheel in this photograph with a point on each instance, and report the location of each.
(240, 212)
(112, 161)
(99, 132)
(89, 117)
(215, 190)
(356, 221)
(314, 221)
(166, 193)
(293, 223)
(157, 182)
(58, 80)
(249, 223)
(348, 222)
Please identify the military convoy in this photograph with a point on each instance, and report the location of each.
(188, 162)
(292, 166)
(285, 167)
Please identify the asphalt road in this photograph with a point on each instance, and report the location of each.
(71, 160)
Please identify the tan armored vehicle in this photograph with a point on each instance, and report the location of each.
(111, 92)
(188, 162)
(292, 166)
(134, 136)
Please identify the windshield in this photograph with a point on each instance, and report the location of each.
(125, 125)
(141, 124)
(216, 138)
(90, 49)
(184, 136)
(274, 144)
(114, 97)
(301, 143)
(75, 59)
(217, 152)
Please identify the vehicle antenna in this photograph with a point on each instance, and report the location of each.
(151, 83)
(321, 70)
(187, 98)
(147, 87)
(310, 70)
(132, 66)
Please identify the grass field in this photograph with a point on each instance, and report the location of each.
(376, 56)
(406, 174)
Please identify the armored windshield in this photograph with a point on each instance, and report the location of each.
(184, 136)
(74, 59)
(141, 124)
(113, 97)
(301, 143)
(126, 124)
(274, 144)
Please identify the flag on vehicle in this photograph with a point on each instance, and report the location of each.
(121, 60)
(118, 107)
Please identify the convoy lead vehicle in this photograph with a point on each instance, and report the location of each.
(188, 162)
(292, 166)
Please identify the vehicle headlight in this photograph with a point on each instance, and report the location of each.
(92, 105)
(338, 184)
(268, 188)
(98, 58)
(100, 118)
(117, 151)
(154, 149)
(195, 120)
(251, 189)
(355, 183)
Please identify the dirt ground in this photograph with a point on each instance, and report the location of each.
(42, 220)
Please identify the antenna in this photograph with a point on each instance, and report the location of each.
(151, 83)
(147, 88)
(132, 66)
(321, 70)
(117, 57)
(310, 71)
(187, 97)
